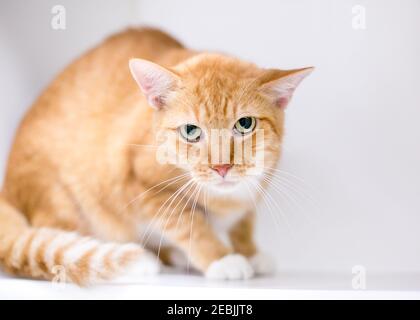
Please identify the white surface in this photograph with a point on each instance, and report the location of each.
(176, 286)
(352, 129)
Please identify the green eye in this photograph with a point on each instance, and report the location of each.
(245, 125)
(190, 132)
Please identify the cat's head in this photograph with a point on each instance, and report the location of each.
(219, 118)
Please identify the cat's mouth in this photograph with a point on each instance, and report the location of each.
(224, 186)
(226, 183)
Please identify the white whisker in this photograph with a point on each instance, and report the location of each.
(288, 196)
(156, 218)
(298, 190)
(171, 180)
(170, 215)
(267, 196)
(191, 227)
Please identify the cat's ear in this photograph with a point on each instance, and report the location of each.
(154, 81)
(279, 85)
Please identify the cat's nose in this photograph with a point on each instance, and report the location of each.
(222, 169)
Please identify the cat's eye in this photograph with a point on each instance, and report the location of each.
(245, 125)
(190, 132)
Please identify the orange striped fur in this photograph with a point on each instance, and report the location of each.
(85, 150)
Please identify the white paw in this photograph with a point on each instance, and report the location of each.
(262, 264)
(230, 267)
(147, 265)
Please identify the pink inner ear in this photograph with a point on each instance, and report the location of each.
(284, 97)
(154, 81)
(282, 102)
(146, 85)
(156, 101)
(282, 89)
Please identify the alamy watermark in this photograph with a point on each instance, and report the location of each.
(60, 276)
(358, 281)
(359, 17)
(58, 20)
(219, 147)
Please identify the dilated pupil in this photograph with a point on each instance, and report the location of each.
(245, 122)
(190, 129)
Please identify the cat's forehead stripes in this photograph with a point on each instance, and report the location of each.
(216, 111)
(217, 86)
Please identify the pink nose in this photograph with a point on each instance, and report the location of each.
(222, 169)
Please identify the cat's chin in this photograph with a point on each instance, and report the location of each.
(224, 186)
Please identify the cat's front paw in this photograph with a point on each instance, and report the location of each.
(262, 264)
(147, 265)
(230, 267)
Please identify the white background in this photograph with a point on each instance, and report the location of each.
(352, 130)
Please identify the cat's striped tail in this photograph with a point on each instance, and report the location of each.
(57, 255)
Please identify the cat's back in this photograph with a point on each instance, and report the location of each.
(98, 82)
(78, 111)
(99, 79)
(104, 69)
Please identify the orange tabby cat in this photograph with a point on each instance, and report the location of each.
(86, 190)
